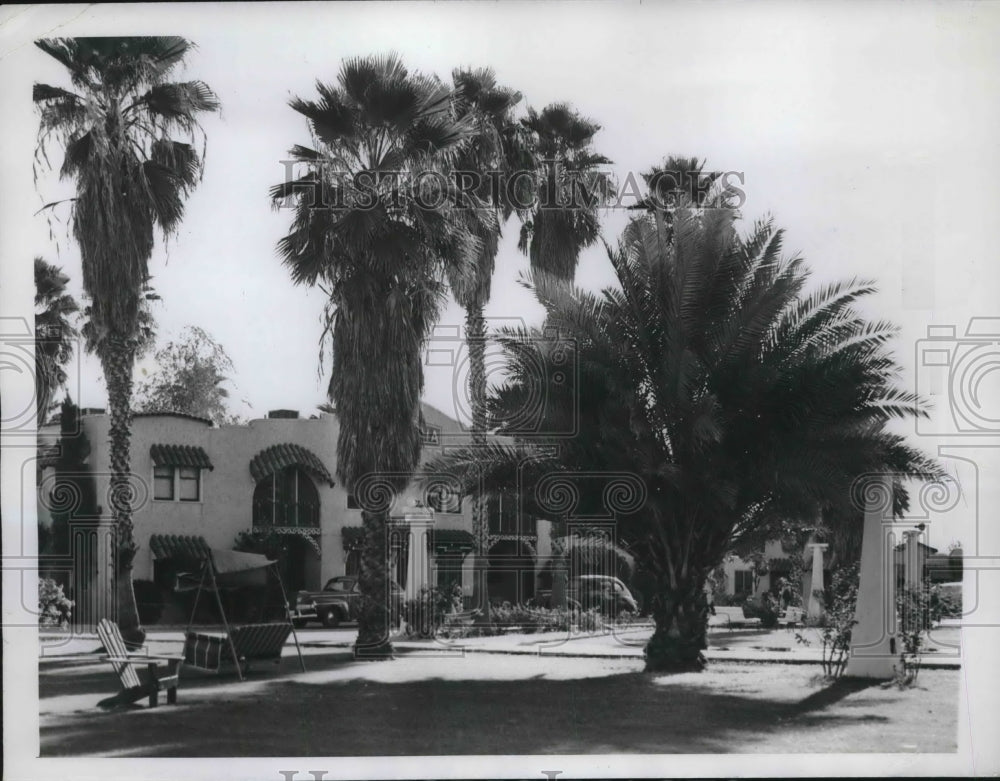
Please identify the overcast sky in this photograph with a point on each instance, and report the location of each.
(869, 132)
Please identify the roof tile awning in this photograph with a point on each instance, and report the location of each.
(180, 455)
(278, 457)
(452, 540)
(179, 546)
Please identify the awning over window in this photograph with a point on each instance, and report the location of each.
(452, 540)
(194, 548)
(180, 455)
(179, 546)
(277, 457)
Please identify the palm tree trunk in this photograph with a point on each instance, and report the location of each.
(681, 620)
(373, 616)
(475, 334)
(117, 360)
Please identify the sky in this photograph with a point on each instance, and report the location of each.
(868, 132)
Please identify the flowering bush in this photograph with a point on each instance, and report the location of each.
(54, 608)
(838, 620)
(425, 615)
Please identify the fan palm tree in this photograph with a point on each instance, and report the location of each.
(116, 127)
(364, 229)
(741, 402)
(563, 220)
(499, 147)
(54, 333)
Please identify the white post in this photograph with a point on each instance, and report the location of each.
(911, 563)
(418, 563)
(873, 647)
(815, 609)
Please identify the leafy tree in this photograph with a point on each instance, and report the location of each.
(740, 401)
(131, 177)
(54, 333)
(189, 377)
(384, 142)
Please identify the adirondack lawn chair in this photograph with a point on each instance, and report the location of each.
(128, 665)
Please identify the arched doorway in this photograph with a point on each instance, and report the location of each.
(511, 574)
(286, 506)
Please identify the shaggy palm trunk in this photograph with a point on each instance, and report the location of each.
(475, 332)
(117, 360)
(374, 615)
(681, 619)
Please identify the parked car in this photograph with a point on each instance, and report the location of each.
(339, 601)
(605, 593)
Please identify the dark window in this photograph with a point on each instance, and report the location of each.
(163, 482)
(449, 569)
(352, 502)
(743, 581)
(286, 498)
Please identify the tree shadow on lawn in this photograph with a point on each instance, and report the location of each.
(623, 712)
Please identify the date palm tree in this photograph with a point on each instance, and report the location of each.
(375, 219)
(55, 334)
(116, 126)
(743, 404)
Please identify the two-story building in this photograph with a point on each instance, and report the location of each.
(278, 475)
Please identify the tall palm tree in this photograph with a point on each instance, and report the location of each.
(116, 126)
(384, 142)
(570, 188)
(54, 333)
(741, 402)
(499, 147)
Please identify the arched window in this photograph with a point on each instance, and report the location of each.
(287, 497)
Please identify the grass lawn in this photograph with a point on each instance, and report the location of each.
(422, 704)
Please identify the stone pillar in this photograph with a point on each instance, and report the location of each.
(873, 647)
(912, 569)
(418, 564)
(92, 543)
(815, 604)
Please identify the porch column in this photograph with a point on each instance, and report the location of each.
(418, 564)
(815, 609)
(911, 563)
(873, 647)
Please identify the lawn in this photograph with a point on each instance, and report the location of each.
(423, 704)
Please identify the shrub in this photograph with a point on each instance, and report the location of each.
(731, 600)
(54, 609)
(424, 615)
(841, 599)
(766, 607)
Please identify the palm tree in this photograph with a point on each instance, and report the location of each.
(384, 141)
(54, 333)
(742, 403)
(563, 221)
(131, 177)
(498, 148)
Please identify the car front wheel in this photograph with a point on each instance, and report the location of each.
(331, 618)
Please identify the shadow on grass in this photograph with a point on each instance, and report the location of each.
(625, 712)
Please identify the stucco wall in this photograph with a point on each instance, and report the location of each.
(226, 505)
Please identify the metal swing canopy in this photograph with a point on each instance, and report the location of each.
(219, 568)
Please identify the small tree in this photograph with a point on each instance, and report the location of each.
(189, 378)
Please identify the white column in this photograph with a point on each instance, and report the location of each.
(418, 564)
(911, 563)
(815, 609)
(873, 648)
